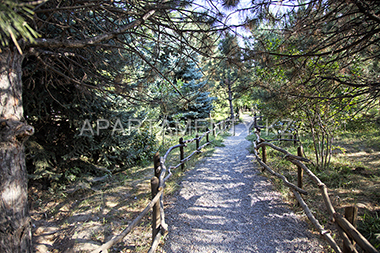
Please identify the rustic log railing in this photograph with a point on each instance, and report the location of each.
(346, 230)
(161, 174)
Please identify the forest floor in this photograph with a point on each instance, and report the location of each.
(360, 179)
(87, 213)
(82, 216)
(353, 178)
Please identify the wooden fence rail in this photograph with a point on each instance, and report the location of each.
(346, 230)
(161, 174)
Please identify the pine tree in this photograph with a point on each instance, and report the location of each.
(79, 46)
(199, 105)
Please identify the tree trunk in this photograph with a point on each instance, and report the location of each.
(230, 99)
(15, 225)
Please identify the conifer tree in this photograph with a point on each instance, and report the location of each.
(77, 46)
(228, 70)
(200, 103)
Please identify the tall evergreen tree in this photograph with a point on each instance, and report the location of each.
(189, 77)
(78, 47)
(228, 70)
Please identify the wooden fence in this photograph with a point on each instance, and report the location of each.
(346, 229)
(162, 173)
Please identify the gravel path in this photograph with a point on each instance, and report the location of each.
(224, 205)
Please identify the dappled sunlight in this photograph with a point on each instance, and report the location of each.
(224, 205)
(371, 158)
(87, 217)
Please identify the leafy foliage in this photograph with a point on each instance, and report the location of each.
(108, 60)
(66, 147)
(304, 76)
(228, 72)
(199, 105)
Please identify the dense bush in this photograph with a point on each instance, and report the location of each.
(67, 143)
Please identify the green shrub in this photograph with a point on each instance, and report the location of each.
(370, 228)
(60, 151)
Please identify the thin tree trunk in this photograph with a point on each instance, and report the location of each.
(314, 137)
(230, 99)
(15, 225)
(330, 150)
(322, 145)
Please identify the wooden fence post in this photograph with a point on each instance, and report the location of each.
(154, 183)
(197, 140)
(207, 139)
(181, 153)
(353, 233)
(350, 213)
(157, 165)
(213, 129)
(300, 170)
(264, 151)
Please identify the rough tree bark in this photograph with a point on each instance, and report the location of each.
(15, 225)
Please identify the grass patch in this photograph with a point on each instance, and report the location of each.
(370, 228)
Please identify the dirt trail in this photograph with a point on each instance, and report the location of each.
(225, 205)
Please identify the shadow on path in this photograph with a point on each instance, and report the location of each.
(224, 205)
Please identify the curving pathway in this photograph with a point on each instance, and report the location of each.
(225, 205)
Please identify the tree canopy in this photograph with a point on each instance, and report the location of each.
(108, 59)
(68, 65)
